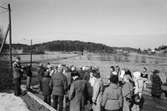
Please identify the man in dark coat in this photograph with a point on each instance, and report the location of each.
(46, 89)
(28, 72)
(59, 86)
(78, 94)
(41, 71)
(17, 73)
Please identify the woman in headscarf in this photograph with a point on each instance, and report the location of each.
(156, 84)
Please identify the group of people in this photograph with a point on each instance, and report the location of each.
(83, 89)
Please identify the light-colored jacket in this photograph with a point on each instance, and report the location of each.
(112, 97)
(97, 94)
(17, 70)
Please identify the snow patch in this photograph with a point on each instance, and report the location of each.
(9, 102)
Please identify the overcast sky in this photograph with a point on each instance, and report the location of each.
(122, 23)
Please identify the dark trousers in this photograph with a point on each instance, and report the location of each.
(47, 99)
(58, 102)
(28, 82)
(17, 89)
(40, 84)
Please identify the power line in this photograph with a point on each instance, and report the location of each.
(3, 2)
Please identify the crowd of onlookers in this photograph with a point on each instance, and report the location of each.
(83, 89)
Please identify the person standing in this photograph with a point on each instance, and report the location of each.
(17, 73)
(41, 71)
(156, 84)
(46, 89)
(59, 87)
(112, 97)
(97, 92)
(28, 72)
(78, 94)
(127, 91)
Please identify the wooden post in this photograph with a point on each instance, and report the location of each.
(10, 40)
(31, 53)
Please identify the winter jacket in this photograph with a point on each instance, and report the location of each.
(156, 85)
(112, 97)
(46, 89)
(97, 94)
(58, 84)
(77, 95)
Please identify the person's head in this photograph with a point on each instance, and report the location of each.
(155, 71)
(96, 74)
(114, 79)
(117, 68)
(136, 74)
(112, 68)
(60, 68)
(73, 68)
(75, 76)
(126, 78)
(128, 72)
(17, 59)
(46, 74)
(144, 69)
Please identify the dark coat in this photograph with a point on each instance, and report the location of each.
(77, 95)
(58, 84)
(46, 89)
(156, 85)
(27, 71)
(41, 72)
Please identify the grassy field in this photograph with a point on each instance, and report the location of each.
(134, 62)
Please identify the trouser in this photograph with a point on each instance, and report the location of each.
(58, 102)
(47, 99)
(17, 89)
(126, 105)
(40, 84)
(28, 82)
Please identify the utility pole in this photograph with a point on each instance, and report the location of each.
(10, 40)
(31, 53)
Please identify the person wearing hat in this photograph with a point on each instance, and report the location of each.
(78, 93)
(17, 73)
(156, 84)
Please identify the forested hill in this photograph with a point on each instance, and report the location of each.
(68, 45)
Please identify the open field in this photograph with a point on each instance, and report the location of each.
(104, 61)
